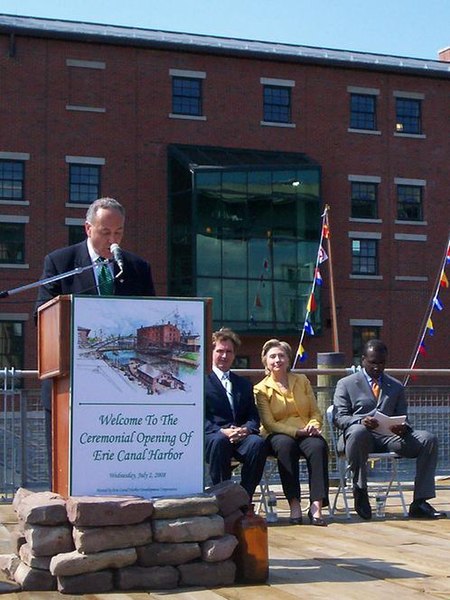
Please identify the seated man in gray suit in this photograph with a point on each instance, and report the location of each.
(356, 399)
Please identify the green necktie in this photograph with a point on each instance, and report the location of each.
(105, 279)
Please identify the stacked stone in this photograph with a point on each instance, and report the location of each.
(87, 545)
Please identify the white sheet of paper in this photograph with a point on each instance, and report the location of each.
(385, 423)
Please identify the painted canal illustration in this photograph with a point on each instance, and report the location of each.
(155, 354)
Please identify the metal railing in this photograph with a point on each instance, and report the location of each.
(23, 452)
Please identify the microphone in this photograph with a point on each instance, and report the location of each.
(116, 251)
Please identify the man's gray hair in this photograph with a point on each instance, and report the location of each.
(103, 203)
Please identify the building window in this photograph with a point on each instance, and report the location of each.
(77, 233)
(86, 84)
(11, 344)
(277, 104)
(364, 200)
(12, 243)
(241, 362)
(12, 180)
(84, 183)
(363, 112)
(408, 115)
(187, 96)
(361, 335)
(364, 257)
(409, 203)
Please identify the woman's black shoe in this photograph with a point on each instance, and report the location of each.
(318, 521)
(295, 521)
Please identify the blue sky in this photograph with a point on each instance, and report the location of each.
(414, 28)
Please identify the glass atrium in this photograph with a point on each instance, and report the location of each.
(244, 228)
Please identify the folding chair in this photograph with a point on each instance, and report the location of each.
(235, 472)
(392, 489)
(263, 503)
(270, 469)
(264, 488)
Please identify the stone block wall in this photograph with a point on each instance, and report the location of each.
(91, 544)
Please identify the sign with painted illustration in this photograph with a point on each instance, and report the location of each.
(137, 396)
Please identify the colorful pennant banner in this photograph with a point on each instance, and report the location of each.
(311, 305)
(435, 304)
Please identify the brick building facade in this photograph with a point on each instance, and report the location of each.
(91, 110)
(157, 336)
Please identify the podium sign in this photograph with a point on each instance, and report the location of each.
(136, 397)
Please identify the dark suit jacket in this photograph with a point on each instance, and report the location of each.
(354, 400)
(218, 413)
(136, 279)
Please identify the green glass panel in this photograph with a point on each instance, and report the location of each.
(284, 257)
(234, 258)
(234, 299)
(259, 264)
(260, 302)
(234, 185)
(211, 288)
(209, 256)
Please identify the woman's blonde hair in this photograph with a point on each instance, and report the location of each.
(274, 343)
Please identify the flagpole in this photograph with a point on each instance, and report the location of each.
(332, 295)
(313, 287)
(430, 310)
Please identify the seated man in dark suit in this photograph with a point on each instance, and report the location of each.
(104, 226)
(356, 399)
(231, 418)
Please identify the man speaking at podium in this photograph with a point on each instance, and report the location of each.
(129, 275)
(114, 271)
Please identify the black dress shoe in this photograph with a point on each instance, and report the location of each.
(318, 521)
(421, 509)
(362, 504)
(295, 520)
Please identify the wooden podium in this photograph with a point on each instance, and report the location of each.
(54, 363)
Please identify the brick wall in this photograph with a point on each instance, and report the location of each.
(132, 135)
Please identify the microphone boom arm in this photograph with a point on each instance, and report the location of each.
(29, 286)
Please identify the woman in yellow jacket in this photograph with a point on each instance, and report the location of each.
(291, 419)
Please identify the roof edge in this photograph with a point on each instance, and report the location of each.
(134, 36)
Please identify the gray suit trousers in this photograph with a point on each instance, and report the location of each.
(421, 445)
